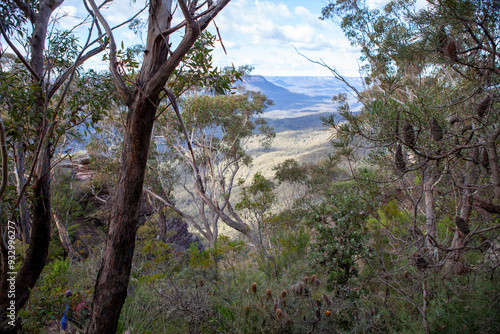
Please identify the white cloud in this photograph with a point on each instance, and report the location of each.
(299, 33)
(255, 32)
(258, 29)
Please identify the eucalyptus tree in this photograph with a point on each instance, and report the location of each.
(142, 98)
(430, 121)
(38, 112)
(218, 128)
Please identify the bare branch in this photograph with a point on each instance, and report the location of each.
(173, 101)
(113, 66)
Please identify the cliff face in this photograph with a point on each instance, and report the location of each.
(179, 236)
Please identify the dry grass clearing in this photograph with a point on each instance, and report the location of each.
(303, 146)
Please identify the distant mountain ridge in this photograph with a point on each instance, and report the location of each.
(299, 101)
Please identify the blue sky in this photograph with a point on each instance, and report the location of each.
(263, 34)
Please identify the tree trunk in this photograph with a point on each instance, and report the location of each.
(430, 213)
(112, 280)
(24, 217)
(64, 237)
(162, 219)
(458, 262)
(34, 260)
(36, 255)
(159, 64)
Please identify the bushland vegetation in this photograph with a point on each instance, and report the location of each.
(394, 230)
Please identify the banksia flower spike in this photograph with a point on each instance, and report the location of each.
(269, 294)
(328, 314)
(313, 279)
(254, 287)
(279, 314)
(327, 300)
(436, 130)
(283, 294)
(306, 279)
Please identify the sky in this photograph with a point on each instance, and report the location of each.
(267, 35)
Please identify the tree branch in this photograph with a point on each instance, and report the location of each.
(113, 66)
(26, 9)
(192, 32)
(18, 54)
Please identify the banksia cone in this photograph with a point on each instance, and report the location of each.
(436, 130)
(483, 106)
(313, 278)
(399, 160)
(485, 159)
(408, 134)
(451, 49)
(283, 294)
(254, 287)
(420, 262)
(462, 225)
(327, 300)
(475, 154)
(454, 120)
(466, 128)
(442, 38)
(328, 314)
(306, 279)
(269, 295)
(279, 313)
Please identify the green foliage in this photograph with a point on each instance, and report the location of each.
(196, 70)
(12, 18)
(213, 294)
(62, 50)
(232, 114)
(466, 309)
(341, 239)
(223, 253)
(290, 171)
(258, 197)
(47, 301)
